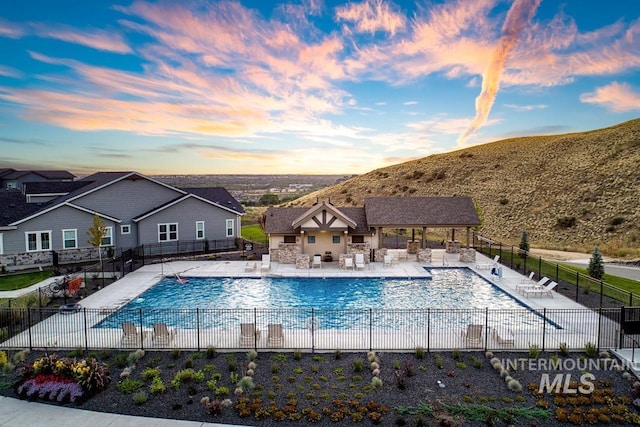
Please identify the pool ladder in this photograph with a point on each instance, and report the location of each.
(445, 263)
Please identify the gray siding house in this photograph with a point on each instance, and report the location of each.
(48, 217)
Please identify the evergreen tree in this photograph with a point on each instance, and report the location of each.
(596, 265)
(524, 243)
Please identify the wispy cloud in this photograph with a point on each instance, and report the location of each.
(410, 103)
(10, 72)
(518, 17)
(371, 16)
(616, 97)
(526, 107)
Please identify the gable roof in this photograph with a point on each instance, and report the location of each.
(52, 187)
(217, 195)
(180, 200)
(47, 174)
(420, 211)
(318, 208)
(15, 206)
(281, 220)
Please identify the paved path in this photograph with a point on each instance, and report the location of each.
(16, 412)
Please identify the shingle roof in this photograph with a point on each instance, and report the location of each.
(6, 171)
(53, 187)
(280, 220)
(15, 206)
(47, 174)
(218, 195)
(420, 211)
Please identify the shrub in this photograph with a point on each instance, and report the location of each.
(357, 365)
(150, 373)
(157, 386)
(534, 351)
(252, 355)
(514, 385)
(3, 358)
(211, 352)
(596, 265)
(129, 386)
(140, 397)
(504, 201)
(566, 222)
(590, 349)
(420, 352)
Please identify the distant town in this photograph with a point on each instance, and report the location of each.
(248, 189)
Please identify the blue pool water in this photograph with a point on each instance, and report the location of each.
(221, 301)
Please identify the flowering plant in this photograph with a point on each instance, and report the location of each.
(53, 378)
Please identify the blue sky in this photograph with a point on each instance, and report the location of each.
(309, 86)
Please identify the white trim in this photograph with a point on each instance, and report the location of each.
(71, 205)
(168, 232)
(38, 234)
(122, 227)
(180, 200)
(198, 230)
(108, 232)
(1, 244)
(75, 238)
(233, 228)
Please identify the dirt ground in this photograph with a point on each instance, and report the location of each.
(562, 256)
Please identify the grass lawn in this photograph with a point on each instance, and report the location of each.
(19, 281)
(254, 232)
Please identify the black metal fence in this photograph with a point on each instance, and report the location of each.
(313, 329)
(581, 288)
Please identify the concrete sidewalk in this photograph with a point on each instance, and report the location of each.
(16, 412)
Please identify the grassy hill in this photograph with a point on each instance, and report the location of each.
(570, 191)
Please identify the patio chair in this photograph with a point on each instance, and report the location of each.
(528, 280)
(348, 263)
(266, 263)
(317, 261)
(359, 261)
(251, 266)
(502, 336)
(387, 261)
(538, 292)
(487, 266)
(276, 337)
(130, 334)
(472, 336)
(248, 334)
(162, 335)
(539, 285)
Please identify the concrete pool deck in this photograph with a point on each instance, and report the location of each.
(578, 324)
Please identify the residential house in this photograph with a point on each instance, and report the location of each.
(48, 217)
(11, 178)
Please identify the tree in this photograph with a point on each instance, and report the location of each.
(96, 233)
(268, 199)
(596, 265)
(524, 244)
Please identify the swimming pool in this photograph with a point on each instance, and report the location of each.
(443, 301)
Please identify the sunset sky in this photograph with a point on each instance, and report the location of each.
(309, 86)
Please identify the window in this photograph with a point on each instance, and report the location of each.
(357, 239)
(38, 241)
(230, 232)
(336, 239)
(289, 239)
(12, 185)
(199, 230)
(311, 239)
(167, 232)
(69, 239)
(107, 239)
(125, 229)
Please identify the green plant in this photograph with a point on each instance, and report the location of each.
(297, 355)
(534, 351)
(129, 386)
(221, 391)
(420, 353)
(157, 386)
(317, 358)
(120, 360)
(596, 265)
(337, 354)
(524, 244)
(461, 365)
(280, 357)
(456, 354)
(232, 362)
(150, 373)
(438, 360)
(76, 352)
(252, 355)
(140, 397)
(564, 349)
(357, 365)
(590, 349)
(211, 352)
(176, 353)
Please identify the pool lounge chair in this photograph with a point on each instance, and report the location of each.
(539, 292)
(249, 335)
(317, 261)
(528, 280)
(359, 261)
(502, 336)
(387, 261)
(487, 266)
(276, 337)
(348, 263)
(266, 263)
(472, 336)
(162, 335)
(539, 285)
(130, 334)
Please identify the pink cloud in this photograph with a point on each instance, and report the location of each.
(618, 97)
(108, 41)
(371, 16)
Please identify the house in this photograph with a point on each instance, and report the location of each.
(54, 217)
(11, 178)
(324, 228)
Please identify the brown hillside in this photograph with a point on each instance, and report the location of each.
(535, 183)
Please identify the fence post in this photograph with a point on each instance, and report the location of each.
(86, 331)
(313, 332)
(621, 333)
(601, 291)
(141, 332)
(428, 329)
(370, 329)
(577, 284)
(486, 328)
(544, 326)
(631, 298)
(599, 326)
(29, 324)
(255, 335)
(198, 328)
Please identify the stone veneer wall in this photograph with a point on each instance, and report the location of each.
(452, 247)
(424, 255)
(413, 246)
(45, 258)
(360, 248)
(467, 255)
(286, 253)
(302, 261)
(379, 254)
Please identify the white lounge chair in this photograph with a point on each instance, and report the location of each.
(348, 263)
(317, 261)
(266, 263)
(546, 291)
(472, 336)
(486, 266)
(502, 336)
(387, 261)
(359, 261)
(276, 336)
(539, 285)
(162, 335)
(528, 280)
(251, 266)
(249, 335)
